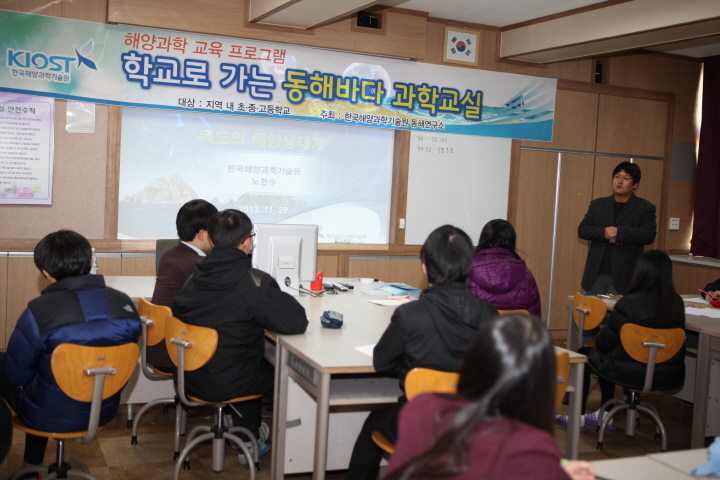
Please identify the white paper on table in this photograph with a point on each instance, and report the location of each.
(705, 312)
(392, 301)
(695, 300)
(366, 349)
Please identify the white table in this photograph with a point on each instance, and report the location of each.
(658, 466)
(321, 360)
(325, 364)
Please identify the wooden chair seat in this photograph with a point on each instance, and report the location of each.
(232, 400)
(383, 442)
(153, 319)
(417, 381)
(20, 425)
(519, 310)
(87, 374)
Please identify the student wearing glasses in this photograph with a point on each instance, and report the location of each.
(618, 227)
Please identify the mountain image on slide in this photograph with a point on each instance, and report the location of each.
(169, 189)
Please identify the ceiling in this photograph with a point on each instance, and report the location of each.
(590, 27)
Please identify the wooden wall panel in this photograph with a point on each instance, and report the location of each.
(631, 126)
(4, 336)
(680, 205)
(27, 283)
(403, 270)
(110, 266)
(575, 126)
(370, 268)
(534, 216)
(688, 279)
(408, 270)
(138, 266)
(328, 264)
(570, 251)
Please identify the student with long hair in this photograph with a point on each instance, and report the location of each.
(498, 275)
(650, 301)
(499, 425)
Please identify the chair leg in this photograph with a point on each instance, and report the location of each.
(180, 420)
(129, 415)
(145, 408)
(186, 452)
(658, 423)
(24, 471)
(82, 465)
(253, 441)
(246, 451)
(606, 419)
(86, 476)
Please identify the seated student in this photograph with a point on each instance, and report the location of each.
(75, 308)
(713, 290)
(177, 265)
(432, 332)
(498, 275)
(240, 302)
(650, 301)
(499, 425)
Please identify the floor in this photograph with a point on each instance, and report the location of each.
(111, 456)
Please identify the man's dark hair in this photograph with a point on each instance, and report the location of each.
(447, 254)
(631, 169)
(193, 217)
(63, 254)
(229, 228)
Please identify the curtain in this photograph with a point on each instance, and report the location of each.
(706, 225)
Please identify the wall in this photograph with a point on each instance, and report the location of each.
(88, 160)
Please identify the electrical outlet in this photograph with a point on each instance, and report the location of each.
(402, 224)
(674, 224)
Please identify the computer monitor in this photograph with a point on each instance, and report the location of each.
(287, 252)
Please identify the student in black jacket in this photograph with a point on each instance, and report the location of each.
(223, 295)
(432, 332)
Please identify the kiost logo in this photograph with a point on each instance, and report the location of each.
(59, 65)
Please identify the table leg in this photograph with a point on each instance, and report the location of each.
(700, 401)
(279, 412)
(573, 430)
(321, 427)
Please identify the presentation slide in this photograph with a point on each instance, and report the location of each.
(275, 170)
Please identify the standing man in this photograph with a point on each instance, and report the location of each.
(240, 302)
(432, 332)
(618, 227)
(177, 265)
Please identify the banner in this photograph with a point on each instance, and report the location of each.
(144, 67)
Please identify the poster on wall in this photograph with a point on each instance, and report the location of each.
(26, 149)
(195, 73)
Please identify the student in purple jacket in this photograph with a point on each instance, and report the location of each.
(498, 275)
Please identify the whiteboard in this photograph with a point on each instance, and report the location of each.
(462, 180)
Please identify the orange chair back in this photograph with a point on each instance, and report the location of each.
(158, 314)
(204, 342)
(562, 362)
(69, 363)
(597, 308)
(427, 380)
(632, 337)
